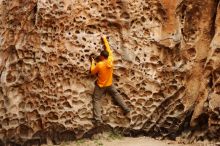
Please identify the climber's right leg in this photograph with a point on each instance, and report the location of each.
(97, 95)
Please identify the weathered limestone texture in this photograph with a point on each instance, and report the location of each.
(167, 67)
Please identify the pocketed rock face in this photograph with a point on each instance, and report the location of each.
(166, 57)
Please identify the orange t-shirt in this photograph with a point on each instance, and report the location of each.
(104, 69)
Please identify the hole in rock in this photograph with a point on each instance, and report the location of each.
(143, 19)
(43, 44)
(191, 52)
(86, 50)
(146, 8)
(171, 89)
(154, 58)
(71, 54)
(139, 109)
(39, 83)
(217, 50)
(203, 121)
(90, 32)
(92, 26)
(140, 101)
(158, 95)
(125, 15)
(52, 116)
(62, 60)
(29, 105)
(67, 104)
(180, 107)
(1, 101)
(5, 122)
(42, 108)
(77, 31)
(94, 5)
(69, 8)
(10, 78)
(164, 130)
(21, 114)
(24, 130)
(55, 6)
(2, 111)
(149, 102)
(84, 38)
(14, 122)
(137, 59)
(217, 88)
(48, 108)
(147, 93)
(68, 122)
(22, 105)
(174, 81)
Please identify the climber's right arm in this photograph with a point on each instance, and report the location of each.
(107, 47)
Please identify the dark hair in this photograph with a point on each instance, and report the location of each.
(105, 54)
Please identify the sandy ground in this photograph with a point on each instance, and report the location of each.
(112, 140)
(141, 141)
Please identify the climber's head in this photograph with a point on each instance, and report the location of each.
(104, 55)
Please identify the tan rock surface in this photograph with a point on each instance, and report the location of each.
(167, 67)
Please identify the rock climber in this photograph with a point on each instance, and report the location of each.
(104, 71)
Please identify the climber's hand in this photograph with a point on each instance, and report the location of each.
(91, 59)
(103, 37)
